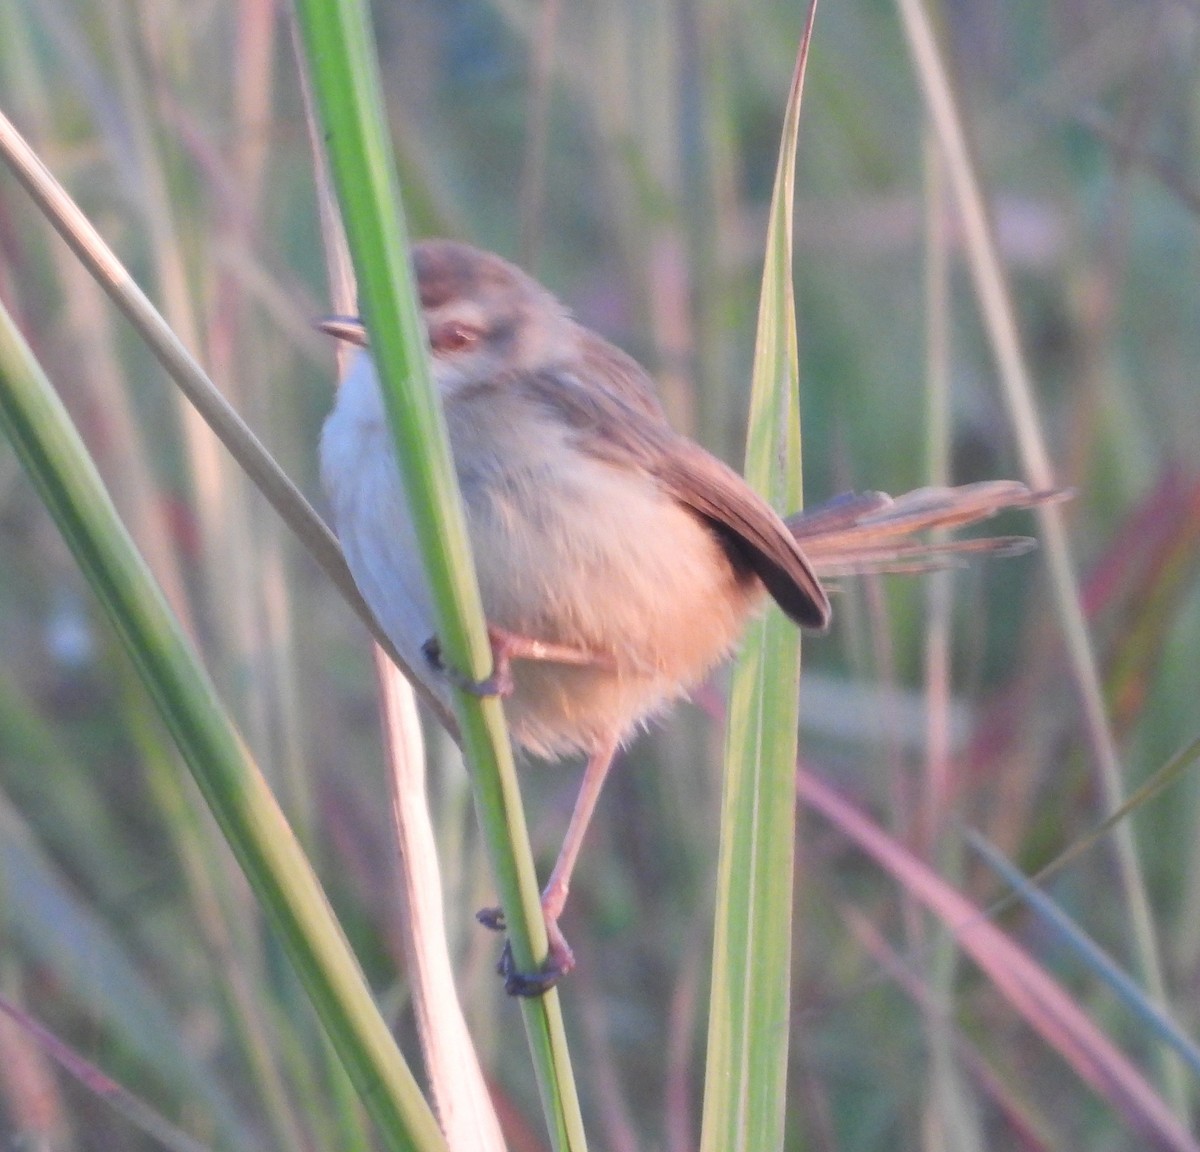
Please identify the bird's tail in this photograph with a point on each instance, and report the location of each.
(870, 532)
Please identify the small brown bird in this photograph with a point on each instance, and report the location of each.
(618, 561)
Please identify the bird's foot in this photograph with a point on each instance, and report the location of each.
(559, 958)
(499, 683)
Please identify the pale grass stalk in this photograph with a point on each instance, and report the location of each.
(269, 646)
(718, 221)
(938, 586)
(279, 659)
(683, 1019)
(614, 1115)
(121, 455)
(605, 66)
(253, 76)
(952, 1118)
(123, 461)
(667, 279)
(999, 319)
(461, 1098)
(223, 552)
(904, 813)
(100, 260)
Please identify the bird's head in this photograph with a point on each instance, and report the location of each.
(486, 319)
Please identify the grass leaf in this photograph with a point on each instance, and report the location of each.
(62, 471)
(746, 1074)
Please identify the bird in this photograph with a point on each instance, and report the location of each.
(618, 561)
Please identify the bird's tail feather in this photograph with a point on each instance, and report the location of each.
(870, 532)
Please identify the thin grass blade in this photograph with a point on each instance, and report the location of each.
(135, 1110)
(999, 316)
(42, 918)
(1152, 1018)
(1042, 1002)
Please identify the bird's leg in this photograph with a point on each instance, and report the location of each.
(509, 646)
(559, 957)
(554, 898)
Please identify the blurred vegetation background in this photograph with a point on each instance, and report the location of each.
(623, 151)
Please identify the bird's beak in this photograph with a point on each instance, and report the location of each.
(348, 328)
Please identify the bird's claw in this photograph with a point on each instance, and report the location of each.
(531, 984)
(559, 958)
(499, 683)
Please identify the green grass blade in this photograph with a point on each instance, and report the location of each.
(344, 67)
(62, 471)
(746, 1075)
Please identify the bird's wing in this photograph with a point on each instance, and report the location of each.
(612, 429)
(620, 372)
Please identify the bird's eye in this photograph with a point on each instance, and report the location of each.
(453, 336)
